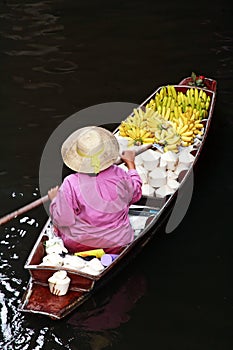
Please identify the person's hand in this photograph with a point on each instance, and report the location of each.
(128, 157)
(53, 192)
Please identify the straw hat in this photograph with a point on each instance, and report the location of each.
(90, 150)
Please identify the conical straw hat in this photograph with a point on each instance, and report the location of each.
(90, 150)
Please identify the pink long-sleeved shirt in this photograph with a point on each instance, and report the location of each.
(93, 210)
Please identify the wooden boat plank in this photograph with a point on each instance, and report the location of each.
(38, 299)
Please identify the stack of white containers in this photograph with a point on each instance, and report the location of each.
(160, 171)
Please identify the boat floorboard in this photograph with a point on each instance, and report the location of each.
(38, 299)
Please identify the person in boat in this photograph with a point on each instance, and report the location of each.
(90, 208)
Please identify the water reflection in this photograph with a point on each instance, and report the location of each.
(110, 311)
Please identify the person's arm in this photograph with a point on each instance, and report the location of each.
(128, 158)
(61, 209)
(53, 192)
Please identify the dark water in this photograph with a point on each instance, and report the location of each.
(58, 57)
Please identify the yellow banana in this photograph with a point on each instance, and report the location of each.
(196, 95)
(159, 108)
(136, 114)
(167, 115)
(144, 133)
(187, 133)
(172, 104)
(163, 134)
(192, 101)
(169, 90)
(204, 96)
(173, 140)
(207, 105)
(179, 98)
(163, 111)
(169, 101)
(158, 134)
(176, 112)
(157, 99)
(191, 92)
(179, 111)
(169, 137)
(143, 124)
(164, 101)
(170, 148)
(162, 92)
(171, 115)
(174, 93)
(180, 119)
(199, 125)
(149, 140)
(183, 129)
(184, 119)
(204, 114)
(186, 138)
(148, 113)
(141, 114)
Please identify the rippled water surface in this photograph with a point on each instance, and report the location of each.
(59, 57)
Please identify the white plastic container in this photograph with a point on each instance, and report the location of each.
(171, 159)
(55, 245)
(186, 158)
(59, 283)
(163, 191)
(52, 259)
(173, 184)
(143, 173)
(171, 175)
(180, 167)
(96, 265)
(150, 159)
(163, 164)
(157, 177)
(138, 160)
(148, 190)
(73, 262)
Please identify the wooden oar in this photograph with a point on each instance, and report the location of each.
(44, 199)
(142, 149)
(24, 209)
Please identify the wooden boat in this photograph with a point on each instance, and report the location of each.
(153, 210)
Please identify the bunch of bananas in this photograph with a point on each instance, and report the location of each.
(188, 126)
(166, 136)
(134, 128)
(184, 110)
(170, 103)
(164, 131)
(148, 126)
